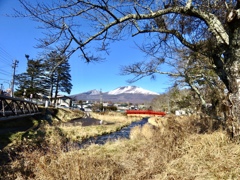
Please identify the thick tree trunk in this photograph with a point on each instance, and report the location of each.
(232, 69)
(56, 92)
(233, 121)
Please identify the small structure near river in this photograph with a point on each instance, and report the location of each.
(144, 113)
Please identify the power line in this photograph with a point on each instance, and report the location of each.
(5, 57)
(5, 63)
(4, 71)
(6, 74)
(4, 79)
(5, 52)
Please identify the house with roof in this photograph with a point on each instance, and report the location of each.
(63, 100)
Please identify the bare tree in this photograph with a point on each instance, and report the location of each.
(77, 24)
(187, 68)
(197, 72)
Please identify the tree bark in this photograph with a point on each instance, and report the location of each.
(232, 69)
(56, 91)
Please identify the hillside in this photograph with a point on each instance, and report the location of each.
(178, 147)
(131, 94)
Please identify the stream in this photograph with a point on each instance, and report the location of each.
(123, 133)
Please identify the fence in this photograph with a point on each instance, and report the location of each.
(11, 108)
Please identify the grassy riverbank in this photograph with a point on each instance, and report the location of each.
(175, 148)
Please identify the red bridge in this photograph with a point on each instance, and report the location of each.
(145, 113)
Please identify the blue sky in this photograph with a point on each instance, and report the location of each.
(18, 37)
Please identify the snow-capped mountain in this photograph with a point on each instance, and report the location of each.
(93, 92)
(131, 90)
(131, 94)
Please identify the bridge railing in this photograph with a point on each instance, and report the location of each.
(10, 107)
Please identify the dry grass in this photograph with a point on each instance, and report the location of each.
(111, 123)
(208, 156)
(177, 149)
(113, 117)
(64, 115)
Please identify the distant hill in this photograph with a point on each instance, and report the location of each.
(131, 94)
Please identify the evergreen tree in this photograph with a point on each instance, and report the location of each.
(58, 70)
(31, 81)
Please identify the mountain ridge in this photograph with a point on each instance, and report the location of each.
(131, 94)
(131, 90)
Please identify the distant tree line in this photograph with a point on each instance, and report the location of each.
(45, 77)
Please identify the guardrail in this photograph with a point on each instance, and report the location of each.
(145, 112)
(11, 108)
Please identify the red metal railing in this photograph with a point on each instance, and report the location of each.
(147, 112)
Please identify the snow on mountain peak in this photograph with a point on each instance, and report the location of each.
(131, 90)
(93, 92)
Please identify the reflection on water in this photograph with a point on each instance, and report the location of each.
(123, 133)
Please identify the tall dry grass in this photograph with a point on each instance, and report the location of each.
(112, 122)
(177, 149)
(113, 117)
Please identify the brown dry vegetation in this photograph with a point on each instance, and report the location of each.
(111, 123)
(175, 148)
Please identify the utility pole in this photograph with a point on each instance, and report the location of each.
(1, 89)
(13, 78)
(101, 101)
(101, 96)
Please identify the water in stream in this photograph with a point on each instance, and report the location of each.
(123, 133)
